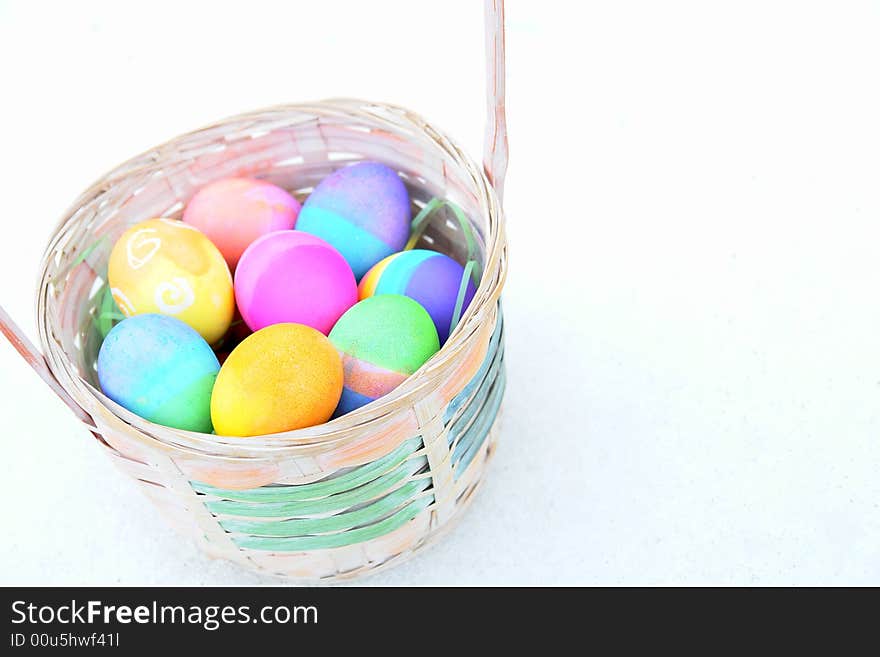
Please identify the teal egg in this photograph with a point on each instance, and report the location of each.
(161, 369)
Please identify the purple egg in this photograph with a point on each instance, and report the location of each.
(433, 279)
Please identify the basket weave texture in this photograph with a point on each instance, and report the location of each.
(344, 498)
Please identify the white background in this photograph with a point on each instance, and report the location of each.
(693, 204)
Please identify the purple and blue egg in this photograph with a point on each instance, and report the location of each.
(161, 369)
(433, 279)
(362, 210)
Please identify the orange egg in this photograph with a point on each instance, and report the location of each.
(283, 377)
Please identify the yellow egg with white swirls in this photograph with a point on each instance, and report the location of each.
(168, 267)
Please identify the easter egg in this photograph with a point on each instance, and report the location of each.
(382, 339)
(283, 377)
(168, 267)
(291, 276)
(161, 369)
(433, 279)
(362, 210)
(233, 212)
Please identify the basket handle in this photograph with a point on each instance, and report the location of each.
(37, 361)
(495, 144)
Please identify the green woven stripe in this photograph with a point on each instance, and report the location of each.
(491, 355)
(338, 502)
(341, 522)
(486, 412)
(359, 535)
(476, 435)
(475, 404)
(324, 488)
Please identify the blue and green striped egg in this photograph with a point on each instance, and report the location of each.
(161, 369)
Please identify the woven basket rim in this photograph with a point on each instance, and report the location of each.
(335, 433)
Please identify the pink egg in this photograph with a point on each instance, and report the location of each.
(291, 276)
(233, 212)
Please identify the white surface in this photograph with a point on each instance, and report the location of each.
(693, 200)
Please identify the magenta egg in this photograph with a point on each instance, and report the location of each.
(291, 276)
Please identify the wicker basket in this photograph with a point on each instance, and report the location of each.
(358, 493)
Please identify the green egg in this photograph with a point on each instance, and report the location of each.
(382, 339)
